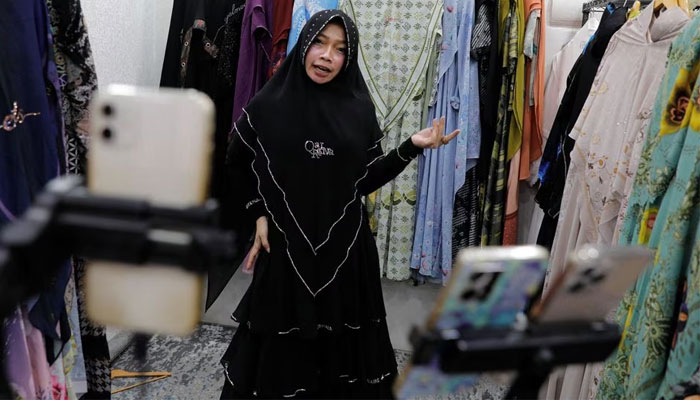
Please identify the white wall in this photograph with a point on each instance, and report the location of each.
(563, 20)
(128, 39)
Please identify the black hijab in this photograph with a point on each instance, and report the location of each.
(312, 147)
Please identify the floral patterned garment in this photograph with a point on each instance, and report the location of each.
(611, 120)
(651, 361)
(442, 172)
(397, 39)
(78, 82)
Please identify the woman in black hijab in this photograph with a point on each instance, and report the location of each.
(305, 151)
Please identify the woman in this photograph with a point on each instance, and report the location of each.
(305, 151)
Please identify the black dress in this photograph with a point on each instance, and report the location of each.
(289, 343)
(555, 159)
(312, 323)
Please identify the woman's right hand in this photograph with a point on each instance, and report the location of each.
(260, 242)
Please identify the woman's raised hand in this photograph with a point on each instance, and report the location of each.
(433, 137)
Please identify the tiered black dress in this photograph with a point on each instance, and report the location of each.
(290, 343)
(312, 323)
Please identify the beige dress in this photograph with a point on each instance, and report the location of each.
(607, 133)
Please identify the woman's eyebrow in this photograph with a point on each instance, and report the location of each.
(322, 35)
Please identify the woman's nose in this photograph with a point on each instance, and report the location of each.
(327, 52)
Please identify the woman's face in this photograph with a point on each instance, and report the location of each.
(326, 55)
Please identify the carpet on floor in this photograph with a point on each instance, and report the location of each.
(197, 374)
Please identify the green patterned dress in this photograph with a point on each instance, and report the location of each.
(397, 43)
(660, 350)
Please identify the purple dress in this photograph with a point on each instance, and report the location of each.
(254, 56)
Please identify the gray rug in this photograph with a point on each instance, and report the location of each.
(193, 362)
(197, 374)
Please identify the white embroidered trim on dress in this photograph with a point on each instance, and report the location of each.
(226, 374)
(381, 378)
(326, 327)
(314, 249)
(294, 394)
(289, 331)
(252, 202)
(399, 154)
(370, 381)
(274, 220)
(377, 143)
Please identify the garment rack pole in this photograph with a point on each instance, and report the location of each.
(590, 6)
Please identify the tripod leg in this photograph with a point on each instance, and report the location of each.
(532, 376)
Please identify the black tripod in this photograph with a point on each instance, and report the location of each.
(533, 352)
(66, 220)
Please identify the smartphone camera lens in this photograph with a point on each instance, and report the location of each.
(107, 110)
(107, 134)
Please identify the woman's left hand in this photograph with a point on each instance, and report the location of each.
(433, 137)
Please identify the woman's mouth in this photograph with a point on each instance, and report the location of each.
(322, 69)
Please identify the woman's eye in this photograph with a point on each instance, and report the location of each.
(343, 50)
(316, 41)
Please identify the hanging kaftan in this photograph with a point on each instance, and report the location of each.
(442, 172)
(396, 41)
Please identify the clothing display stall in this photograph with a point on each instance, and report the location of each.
(564, 142)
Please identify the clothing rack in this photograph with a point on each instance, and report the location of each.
(599, 4)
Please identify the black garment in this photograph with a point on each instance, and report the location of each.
(303, 154)
(484, 48)
(466, 214)
(202, 53)
(556, 158)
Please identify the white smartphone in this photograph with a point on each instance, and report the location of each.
(154, 145)
(151, 144)
(593, 284)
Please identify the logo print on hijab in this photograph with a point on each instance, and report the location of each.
(317, 149)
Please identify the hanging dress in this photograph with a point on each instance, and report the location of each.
(495, 194)
(443, 171)
(33, 153)
(659, 352)
(254, 54)
(612, 116)
(556, 156)
(86, 356)
(397, 39)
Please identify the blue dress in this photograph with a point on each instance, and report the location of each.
(442, 172)
(302, 11)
